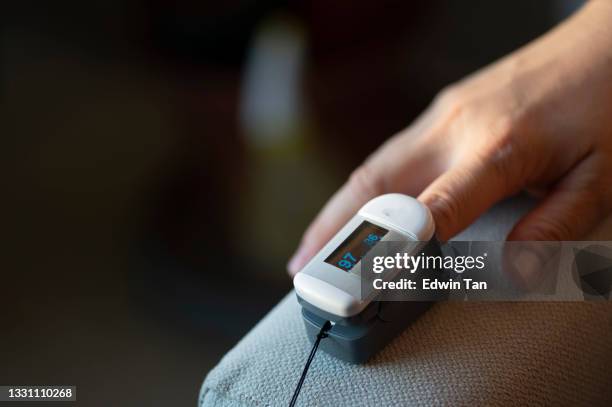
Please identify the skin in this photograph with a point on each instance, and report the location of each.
(540, 120)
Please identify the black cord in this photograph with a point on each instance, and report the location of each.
(322, 334)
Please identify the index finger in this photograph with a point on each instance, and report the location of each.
(402, 165)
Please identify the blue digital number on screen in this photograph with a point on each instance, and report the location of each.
(356, 245)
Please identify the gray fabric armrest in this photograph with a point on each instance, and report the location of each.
(457, 353)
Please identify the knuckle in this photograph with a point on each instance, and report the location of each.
(503, 130)
(364, 183)
(450, 99)
(505, 156)
(548, 229)
(445, 209)
(448, 94)
(501, 137)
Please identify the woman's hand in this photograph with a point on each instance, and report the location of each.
(539, 119)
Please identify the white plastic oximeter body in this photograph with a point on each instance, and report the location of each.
(334, 287)
(329, 287)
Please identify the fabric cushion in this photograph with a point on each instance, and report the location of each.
(457, 353)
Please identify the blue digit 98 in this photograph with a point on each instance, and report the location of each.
(371, 239)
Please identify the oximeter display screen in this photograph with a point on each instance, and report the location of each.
(357, 245)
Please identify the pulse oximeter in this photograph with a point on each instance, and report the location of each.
(330, 286)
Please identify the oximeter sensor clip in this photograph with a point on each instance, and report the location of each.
(329, 287)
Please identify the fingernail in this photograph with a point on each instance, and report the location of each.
(297, 261)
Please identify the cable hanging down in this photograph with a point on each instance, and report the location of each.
(322, 334)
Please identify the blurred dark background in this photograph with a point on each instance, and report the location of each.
(160, 160)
